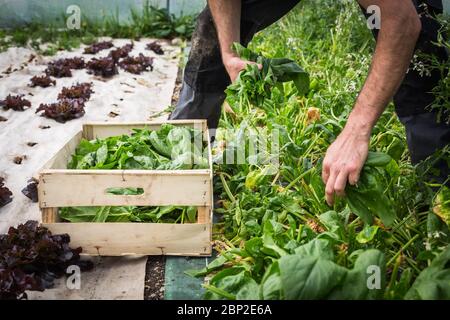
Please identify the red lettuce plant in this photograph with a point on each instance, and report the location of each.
(16, 103)
(42, 81)
(31, 258)
(81, 92)
(62, 67)
(5, 194)
(137, 64)
(73, 63)
(63, 110)
(30, 191)
(105, 67)
(58, 70)
(155, 47)
(98, 46)
(121, 52)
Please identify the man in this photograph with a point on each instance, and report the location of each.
(404, 27)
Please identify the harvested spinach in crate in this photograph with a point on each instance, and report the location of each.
(169, 148)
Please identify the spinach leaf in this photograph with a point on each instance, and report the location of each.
(236, 282)
(367, 199)
(159, 142)
(367, 234)
(254, 84)
(318, 248)
(271, 287)
(433, 283)
(309, 277)
(442, 205)
(358, 283)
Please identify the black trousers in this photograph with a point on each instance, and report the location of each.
(205, 77)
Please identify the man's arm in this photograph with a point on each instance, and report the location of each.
(400, 29)
(227, 18)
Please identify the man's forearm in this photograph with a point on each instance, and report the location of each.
(227, 18)
(400, 29)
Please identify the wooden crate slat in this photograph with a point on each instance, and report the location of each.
(208, 139)
(67, 188)
(117, 239)
(204, 214)
(104, 130)
(63, 156)
(50, 215)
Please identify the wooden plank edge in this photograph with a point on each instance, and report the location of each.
(200, 248)
(121, 172)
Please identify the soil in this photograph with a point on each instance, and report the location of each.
(154, 278)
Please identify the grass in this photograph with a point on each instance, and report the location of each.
(149, 21)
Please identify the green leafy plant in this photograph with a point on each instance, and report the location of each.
(442, 205)
(434, 282)
(254, 84)
(276, 238)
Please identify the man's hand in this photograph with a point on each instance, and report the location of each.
(345, 158)
(234, 65)
(227, 18)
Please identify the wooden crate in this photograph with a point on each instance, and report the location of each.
(61, 187)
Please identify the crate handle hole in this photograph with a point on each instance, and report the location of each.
(125, 191)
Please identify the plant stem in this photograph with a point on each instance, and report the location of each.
(300, 231)
(293, 182)
(402, 249)
(226, 188)
(219, 292)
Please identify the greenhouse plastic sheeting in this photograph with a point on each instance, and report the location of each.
(19, 12)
